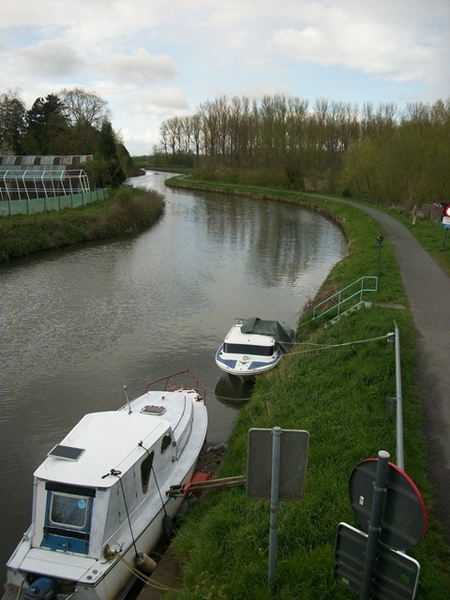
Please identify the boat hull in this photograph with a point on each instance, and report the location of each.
(252, 347)
(245, 366)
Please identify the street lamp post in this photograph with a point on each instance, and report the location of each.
(380, 239)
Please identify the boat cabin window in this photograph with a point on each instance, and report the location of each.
(146, 469)
(166, 442)
(70, 511)
(68, 518)
(248, 349)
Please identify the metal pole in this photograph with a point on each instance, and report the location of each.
(380, 239)
(379, 264)
(375, 523)
(274, 495)
(398, 395)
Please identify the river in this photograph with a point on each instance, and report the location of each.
(79, 324)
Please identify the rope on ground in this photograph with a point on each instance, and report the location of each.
(328, 346)
(150, 581)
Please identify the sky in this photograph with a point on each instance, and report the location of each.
(152, 60)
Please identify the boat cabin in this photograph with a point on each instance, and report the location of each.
(100, 474)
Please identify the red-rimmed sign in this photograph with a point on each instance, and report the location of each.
(446, 218)
(404, 519)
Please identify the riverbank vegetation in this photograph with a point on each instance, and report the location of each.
(125, 211)
(389, 156)
(335, 384)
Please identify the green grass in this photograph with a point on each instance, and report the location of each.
(334, 385)
(124, 212)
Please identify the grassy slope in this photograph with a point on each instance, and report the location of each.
(335, 386)
(125, 211)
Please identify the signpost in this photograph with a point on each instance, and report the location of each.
(293, 447)
(390, 509)
(276, 470)
(446, 221)
(404, 517)
(395, 575)
(446, 216)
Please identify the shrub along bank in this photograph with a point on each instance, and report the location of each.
(334, 385)
(125, 211)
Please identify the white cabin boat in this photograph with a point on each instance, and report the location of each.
(100, 501)
(253, 346)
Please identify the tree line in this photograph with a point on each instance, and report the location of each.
(71, 122)
(391, 157)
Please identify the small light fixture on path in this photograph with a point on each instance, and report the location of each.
(380, 239)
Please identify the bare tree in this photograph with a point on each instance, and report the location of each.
(83, 108)
(197, 133)
(283, 124)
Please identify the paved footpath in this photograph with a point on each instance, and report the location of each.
(428, 289)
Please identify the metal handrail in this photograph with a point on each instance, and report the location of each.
(340, 298)
(399, 400)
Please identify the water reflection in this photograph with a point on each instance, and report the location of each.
(277, 241)
(233, 391)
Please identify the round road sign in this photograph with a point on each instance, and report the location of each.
(404, 517)
(447, 211)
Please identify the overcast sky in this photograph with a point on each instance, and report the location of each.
(155, 59)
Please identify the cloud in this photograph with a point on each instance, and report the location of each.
(163, 101)
(151, 60)
(380, 47)
(49, 59)
(142, 68)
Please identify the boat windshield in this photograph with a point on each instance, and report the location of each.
(248, 349)
(68, 518)
(70, 511)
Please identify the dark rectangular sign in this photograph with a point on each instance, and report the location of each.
(293, 463)
(396, 574)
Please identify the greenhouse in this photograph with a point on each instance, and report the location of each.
(32, 177)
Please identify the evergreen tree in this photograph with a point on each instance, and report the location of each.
(47, 129)
(108, 153)
(12, 123)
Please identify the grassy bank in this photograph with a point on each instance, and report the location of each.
(334, 385)
(125, 211)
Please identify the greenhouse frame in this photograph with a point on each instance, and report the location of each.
(32, 177)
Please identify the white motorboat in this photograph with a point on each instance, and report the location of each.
(101, 501)
(253, 346)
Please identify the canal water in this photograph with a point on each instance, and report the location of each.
(77, 325)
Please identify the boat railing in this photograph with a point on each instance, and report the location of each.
(170, 384)
(13, 592)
